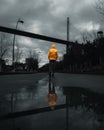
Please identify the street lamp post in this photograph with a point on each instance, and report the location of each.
(13, 56)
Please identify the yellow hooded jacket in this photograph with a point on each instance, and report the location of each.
(53, 53)
(52, 99)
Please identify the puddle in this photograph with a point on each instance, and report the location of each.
(53, 107)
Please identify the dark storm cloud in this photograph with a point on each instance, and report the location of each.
(11, 10)
(49, 17)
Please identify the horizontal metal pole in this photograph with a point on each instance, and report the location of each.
(33, 35)
(31, 112)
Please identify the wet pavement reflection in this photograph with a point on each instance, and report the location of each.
(47, 106)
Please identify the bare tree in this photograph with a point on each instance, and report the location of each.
(84, 37)
(100, 7)
(18, 53)
(33, 60)
(34, 54)
(89, 36)
(4, 47)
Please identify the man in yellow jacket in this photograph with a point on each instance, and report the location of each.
(52, 56)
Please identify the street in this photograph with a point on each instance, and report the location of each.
(11, 83)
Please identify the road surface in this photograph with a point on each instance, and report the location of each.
(11, 83)
(26, 92)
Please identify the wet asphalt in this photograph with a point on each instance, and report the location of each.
(28, 92)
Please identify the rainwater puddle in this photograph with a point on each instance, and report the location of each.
(47, 106)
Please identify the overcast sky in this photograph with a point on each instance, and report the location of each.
(49, 17)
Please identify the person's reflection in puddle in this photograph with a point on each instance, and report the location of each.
(52, 96)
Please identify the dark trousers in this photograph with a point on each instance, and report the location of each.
(51, 67)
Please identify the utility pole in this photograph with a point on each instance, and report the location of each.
(68, 27)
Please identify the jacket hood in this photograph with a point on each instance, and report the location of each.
(53, 46)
